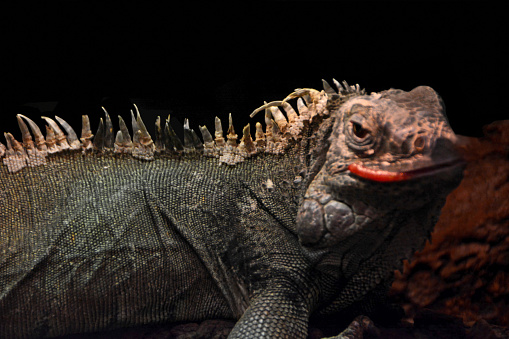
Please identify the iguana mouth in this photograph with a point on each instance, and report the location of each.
(396, 175)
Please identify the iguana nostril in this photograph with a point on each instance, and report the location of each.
(419, 144)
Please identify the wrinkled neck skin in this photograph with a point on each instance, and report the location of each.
(359, 240)
(352, 223)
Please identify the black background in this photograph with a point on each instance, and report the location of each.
(201, 60)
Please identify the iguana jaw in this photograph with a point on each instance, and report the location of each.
(336, 207)
(396, 175)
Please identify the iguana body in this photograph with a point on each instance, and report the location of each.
(308, 220)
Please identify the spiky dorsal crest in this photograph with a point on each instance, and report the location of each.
(284, 126)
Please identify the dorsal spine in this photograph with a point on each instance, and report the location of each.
(280, 130)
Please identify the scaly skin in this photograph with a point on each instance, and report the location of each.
(311, 227)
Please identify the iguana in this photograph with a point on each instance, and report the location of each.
(308, 220)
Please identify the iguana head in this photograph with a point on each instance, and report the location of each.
(388, 152)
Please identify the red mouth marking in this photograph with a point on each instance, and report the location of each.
(379, 175)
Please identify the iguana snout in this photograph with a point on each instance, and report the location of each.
(392, 136)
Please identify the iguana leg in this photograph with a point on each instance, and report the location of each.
(278, 312)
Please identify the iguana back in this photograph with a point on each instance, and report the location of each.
(103, 241)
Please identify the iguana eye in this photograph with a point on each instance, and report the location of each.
(358, 131)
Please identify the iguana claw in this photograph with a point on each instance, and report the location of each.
(360, 327)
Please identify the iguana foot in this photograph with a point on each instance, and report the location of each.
(360, 328)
